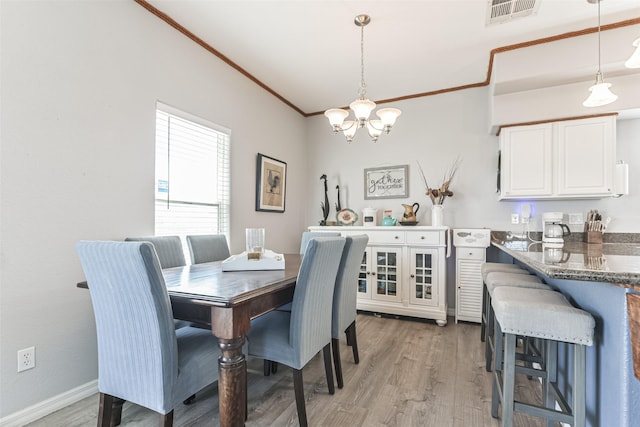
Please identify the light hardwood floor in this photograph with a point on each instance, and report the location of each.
(411, 373)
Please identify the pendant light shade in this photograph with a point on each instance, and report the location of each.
(634, 60)
(600, 93)
(362, 106)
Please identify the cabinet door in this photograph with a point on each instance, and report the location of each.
(469, 290)
(365, 277)
(526, 161)
(424, 279)
(386, 273)
(585, 156)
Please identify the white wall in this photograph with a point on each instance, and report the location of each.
(433, 131)
(79, 85)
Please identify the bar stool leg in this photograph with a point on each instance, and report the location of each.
(551, 369)
(579, 385)
(496, 393)
(508, 379)
(483, 317)
(490, 336)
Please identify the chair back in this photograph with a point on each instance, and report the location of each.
(310, 325)
(345, 291)
(308, 235)
(137, 345)
(208, 248)
(169, 249)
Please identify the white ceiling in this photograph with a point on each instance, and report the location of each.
(308, 51)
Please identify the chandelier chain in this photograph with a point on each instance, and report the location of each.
(363, 86)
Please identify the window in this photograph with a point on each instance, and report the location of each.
(192, 190)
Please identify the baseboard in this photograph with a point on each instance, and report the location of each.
(48, 406)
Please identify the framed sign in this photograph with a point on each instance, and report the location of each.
(271, 184)
(389, 182)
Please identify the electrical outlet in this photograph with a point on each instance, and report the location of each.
(576, 218)
(26, 359)
(515, 218)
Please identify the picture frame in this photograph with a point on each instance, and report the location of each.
(271, 184)
(387, 182)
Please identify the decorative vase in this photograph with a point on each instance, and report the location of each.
(437, 215)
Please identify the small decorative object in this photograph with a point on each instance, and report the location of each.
(437, 195)
(338, 205)
(325, 205)
(410, 212)
(369, 217)
(346, 217)
(388, 182)
(255, 242)
(271, 176)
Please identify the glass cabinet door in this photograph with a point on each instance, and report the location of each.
(386, 266)
(364, 276)
(424, 276)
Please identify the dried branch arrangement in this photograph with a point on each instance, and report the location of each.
(437, 195)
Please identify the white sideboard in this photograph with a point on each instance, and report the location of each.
(403, 270)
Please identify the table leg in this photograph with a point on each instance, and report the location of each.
(232, 382)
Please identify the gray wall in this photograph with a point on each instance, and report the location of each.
(80, 81)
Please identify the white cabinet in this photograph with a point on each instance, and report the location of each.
(471, 245)
(403, 270)
(563, 159)
(469, 283)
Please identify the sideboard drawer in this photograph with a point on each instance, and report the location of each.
(424, 237)
(471, 253)
(386, 236)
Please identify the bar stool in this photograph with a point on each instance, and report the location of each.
(495, 280)
(546, 315)
(485, 269)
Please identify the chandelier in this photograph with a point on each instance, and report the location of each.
(362, 107)
(634, 59)
(600, 93)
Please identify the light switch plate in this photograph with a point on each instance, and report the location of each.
(576, 218)
(515, 218)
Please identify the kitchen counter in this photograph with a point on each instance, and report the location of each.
(615, 263)
(596, 278)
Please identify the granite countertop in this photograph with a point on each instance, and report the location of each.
(616, 263)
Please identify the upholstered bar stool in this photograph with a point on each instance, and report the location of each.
(545, 315)
(485, 269)
(495, 280)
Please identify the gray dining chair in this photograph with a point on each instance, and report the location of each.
(343, 319)
(142, 358)
(169, 249)
(308, 235)
(208, 248)
(294, 338)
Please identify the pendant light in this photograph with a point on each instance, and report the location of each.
(634, 59)
(362, 107)
(600, 93)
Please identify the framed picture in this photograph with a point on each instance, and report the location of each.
(271, 184)
(389, 182)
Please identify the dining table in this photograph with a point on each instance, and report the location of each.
(226, 301)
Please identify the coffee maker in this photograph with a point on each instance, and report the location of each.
(553, 231)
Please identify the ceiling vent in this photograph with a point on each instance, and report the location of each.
(499, 11)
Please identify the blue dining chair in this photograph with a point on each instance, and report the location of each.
(344, 311)
(208, 248)
(142, 358)
(169, 249)
(308, 235)
(294, 337)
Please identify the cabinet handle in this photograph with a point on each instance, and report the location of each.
(412, 276)
(470, 253)
(396, 237)
(422, 237)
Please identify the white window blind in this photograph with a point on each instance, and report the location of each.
(192, 187)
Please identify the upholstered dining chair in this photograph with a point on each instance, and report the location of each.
(142, 358)
(208, 248)
(308, 235)
(169, 249)
(293, 338)
(344, 312)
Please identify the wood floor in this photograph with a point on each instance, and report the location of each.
(411, 373)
